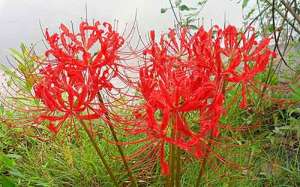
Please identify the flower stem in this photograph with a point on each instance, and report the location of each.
(173, 166)
(203, 163)
(178, 168)
(202, 168)
(114, 135)
(132, 178)
(172, 155)
(99, 153)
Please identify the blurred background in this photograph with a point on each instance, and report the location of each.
(19, 19)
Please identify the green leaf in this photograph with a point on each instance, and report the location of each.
(249, 14)
(1, 109)
(6, 182)
(8, 71)
(6, 161)
(36, 102)
(245, 3)
(16, 173)
(183, 7)
(194, 27)
(163, 10)
(28, 86)
(177, 3)
(271, 28)
(295, 92)
(9, 83)
(202, 2)
(14, 156)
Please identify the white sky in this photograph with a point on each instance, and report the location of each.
(19, 19)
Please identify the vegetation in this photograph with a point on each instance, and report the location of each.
(259, 145)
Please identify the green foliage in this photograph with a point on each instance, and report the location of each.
(183, 8)
(8, 169)
(163, 10)
(245, 3)
(295, 92)
(6, 163)
(33, 163)
(188, 13)
(1, 109)
(21, 75)
(260, 15)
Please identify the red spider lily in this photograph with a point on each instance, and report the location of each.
(94, 46)
(231, 55)
(67, 94)
(172, 87)
(77, 67)
(184, 74)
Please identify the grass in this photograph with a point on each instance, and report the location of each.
(266, 155)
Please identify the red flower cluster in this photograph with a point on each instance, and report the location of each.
(232, 56)
(77, 68)
(185, 74)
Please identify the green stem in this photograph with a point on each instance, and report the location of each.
(203, 163)
(202, 168)
(132, 178)
(167, 182)
(172, 165)
(178, 168)
(172, 152)
(99, 153)
(113, 132)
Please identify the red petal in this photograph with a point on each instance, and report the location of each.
(52, 128)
